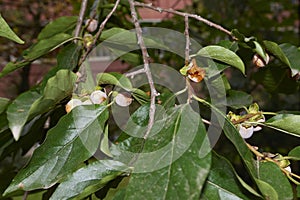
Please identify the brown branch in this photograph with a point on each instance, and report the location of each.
(136, 72)
(98, 34)
(80, 18)
(197, 17)
(146, 66)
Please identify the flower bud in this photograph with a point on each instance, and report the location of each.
(98, 97)
(123, 99)
(245, 132)
(91, 25)
(72, 104)
(258, 61)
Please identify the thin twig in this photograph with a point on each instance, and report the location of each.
(80, 18)
(197, 17)
(98, 34)
(25, 195)
(146, 66)
(136, 72)
(187, 40)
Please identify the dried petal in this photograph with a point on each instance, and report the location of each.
(258, 61)
(98, 97)
(195, 73)
(123, 99)
(72, 104)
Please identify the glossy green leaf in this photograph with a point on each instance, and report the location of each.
(46, 45)
(267, 190)
(5, 31)
(270, 173)
(18, 112)
(32, 103)
(59, 25)
(237, 99)
(12, 66)
(275, 49)
(222, 182)
(293, 55)
(4, 102)
(74, 139)
(287, 123)
(174, 162)
(104, 146)
(295, 153)
(114, 78)
(89, 179)
(224, 55)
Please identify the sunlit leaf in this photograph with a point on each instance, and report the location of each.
(275, 49)
(74, 139)
(224, 55)
(114, 78)
(5, 31)
(288, 123)
(89, 179)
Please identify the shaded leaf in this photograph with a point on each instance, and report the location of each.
(288, 123)
(172, 164)
(222, 182)
(4, 102)
(89, 179)
(114, 78)
(238, 99)
(275, 49)
(222, 54)
(59, 25)
(5, 31)
(293, 55)
(295, 153)
(267, 190)
(73, 140)
(270, 173)
(68, 57)
(12, 66)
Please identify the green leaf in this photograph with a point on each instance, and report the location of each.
(5, 31)
(73, 140)
(287, 123)
(44, 46)
(68, 57)
(89, 179)
(238, 99)
(4, 102)
(31, 103)
(174, 162)
(295, 153)
(59, 25)
(267, 190)
(222, 182)
(270, 173)
(104, 146)
(222, 54)
(18, 112)
(12, 66)
(275, 49)
(293, 55)
(260, 51)
(114, 78)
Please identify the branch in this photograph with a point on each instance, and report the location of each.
(80, 18)
(187, 40)
(146, 66)
(98, 34)
(197, 17)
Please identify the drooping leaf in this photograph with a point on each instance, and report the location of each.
(114, 78)
(174, 162)
(89, 179)
(222, 182)
(275, 49)
(270, 173)
(5, 31)
(238, 99)
(288, 123)
(4, 102)
(73, 140)
(32, 103)
(59, 25)
(293, 55)
(267, 190)
(12, 66)
(295, 153)
(18, 112)
(222, 54)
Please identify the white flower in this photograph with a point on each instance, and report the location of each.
(98, 97)
(245, 132)
(72, 104)
(123, 99)
(288, 168)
